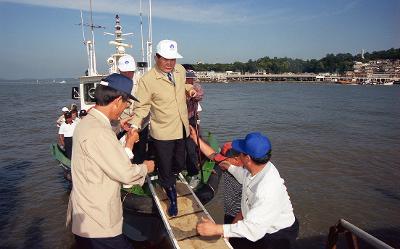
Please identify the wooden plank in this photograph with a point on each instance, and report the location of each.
(186, 205)
(200, 242)
(185, 226)
(182, 228)
(181, 190)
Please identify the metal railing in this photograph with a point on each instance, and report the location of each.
(352, 234)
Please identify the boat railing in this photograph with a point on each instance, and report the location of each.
(352, 234)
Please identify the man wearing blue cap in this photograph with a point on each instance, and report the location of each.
(99, 165)
(266, 219)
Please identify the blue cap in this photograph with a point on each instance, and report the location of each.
(190, 75)
(255, 145)
(120, 83)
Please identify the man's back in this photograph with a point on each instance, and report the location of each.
(99, 164)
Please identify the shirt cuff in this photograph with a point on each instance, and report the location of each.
(227, 230)
(134, 126)
(129, 153)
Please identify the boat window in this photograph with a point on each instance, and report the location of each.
(89, 90)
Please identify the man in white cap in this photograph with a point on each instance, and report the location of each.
(127, 68)
(162, 93)
(61, 119)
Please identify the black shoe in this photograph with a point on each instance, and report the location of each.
(173, 204)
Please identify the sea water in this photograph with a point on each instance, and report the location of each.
(336, 146)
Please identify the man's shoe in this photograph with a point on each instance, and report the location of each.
(194, 181)
(173, 204)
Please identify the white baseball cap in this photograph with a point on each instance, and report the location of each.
(65, 109)
(126, 63)
(168, 49)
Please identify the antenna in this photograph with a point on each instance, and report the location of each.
(90, 49)
(83, 30)
(141, 28)
(93, 57)
(150, 39)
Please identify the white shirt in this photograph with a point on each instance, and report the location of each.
(265, 204)
(67, 129)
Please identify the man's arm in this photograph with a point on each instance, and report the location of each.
(142, 108)
(111, 157)
(261, 215)
(61, 140)
(204, 147)
(207, 227)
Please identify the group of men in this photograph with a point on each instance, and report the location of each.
(66, 124)
(100, 163)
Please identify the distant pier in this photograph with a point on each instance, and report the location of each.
(291, 77)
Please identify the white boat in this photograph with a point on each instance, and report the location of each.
(62, 82)
(88, 83)
(144, 214)
(388, 83)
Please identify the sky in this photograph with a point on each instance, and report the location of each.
(41, 38)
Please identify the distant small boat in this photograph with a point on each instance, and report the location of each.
(347, 82)
(389, 83)
(62, 82)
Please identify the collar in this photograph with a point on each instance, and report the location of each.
(101, 116)
(162, 75)
(254, 180)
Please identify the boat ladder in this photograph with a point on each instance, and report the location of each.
(182, 228)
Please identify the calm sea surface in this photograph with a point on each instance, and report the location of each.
(337, 147)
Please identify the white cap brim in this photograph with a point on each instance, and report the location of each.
(171, 55)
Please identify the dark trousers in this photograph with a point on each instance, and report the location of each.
(140, 148)
(283, 239)
(191, 151)
(169, 158)
(191, 157)
(117, 242)
(228, 219)
(68, 146)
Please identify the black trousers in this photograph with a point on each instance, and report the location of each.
(140, 148)
(191, 152)
(283, 239)
(68, 146)
(191, 157)
(169, 159)
(117, 242)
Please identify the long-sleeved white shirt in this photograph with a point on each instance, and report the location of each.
(265, 204)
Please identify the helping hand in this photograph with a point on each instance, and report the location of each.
(193, 134)
(192, 93)
(206, 227)
(124, 123)
(150, 165)
(132, 137)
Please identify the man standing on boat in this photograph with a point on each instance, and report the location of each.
(99, 165)
(162, 93)
(127, 68)
(266, 219)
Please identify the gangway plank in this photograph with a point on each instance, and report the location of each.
(182, 228)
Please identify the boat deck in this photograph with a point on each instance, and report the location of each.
(182, 228)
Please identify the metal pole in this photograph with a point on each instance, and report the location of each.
(364, 235)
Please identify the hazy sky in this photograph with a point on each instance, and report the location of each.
(40, 38)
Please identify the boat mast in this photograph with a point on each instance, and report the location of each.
(91, 48)
(150, 39)
(119, 45)
(141, 28)
(89, 44)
